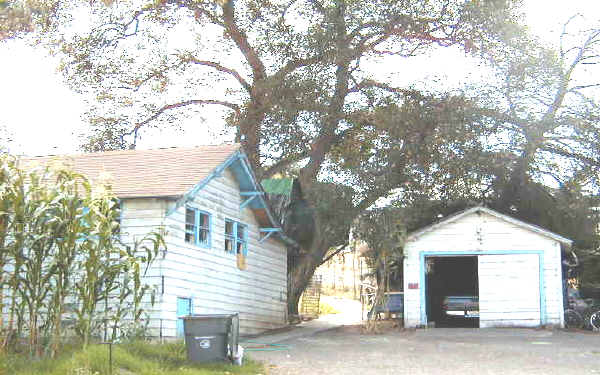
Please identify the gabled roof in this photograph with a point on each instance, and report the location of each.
(145, 173)
(452, 218)
(170, 172)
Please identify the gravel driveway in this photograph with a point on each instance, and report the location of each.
(437, 351)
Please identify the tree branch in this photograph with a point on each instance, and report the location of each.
(168, 107)
(221, 68)
(369, 83)
(335, 252)
(284, 163)
(582, 158)
(241, 40)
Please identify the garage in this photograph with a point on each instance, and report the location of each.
(481, 268)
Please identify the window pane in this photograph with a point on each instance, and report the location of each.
(190, 216)
(203, 236)
(228, 244)
(240, 247)
(190, 225)
(241, 231)
(229, 227)
(204, 221)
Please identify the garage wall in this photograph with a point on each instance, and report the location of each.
(480, 232)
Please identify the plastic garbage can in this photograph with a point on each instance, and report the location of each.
(211, 337)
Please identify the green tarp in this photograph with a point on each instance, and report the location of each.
(278, 186)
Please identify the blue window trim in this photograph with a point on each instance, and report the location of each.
(197, 213)
(425, 254)
(234, 237)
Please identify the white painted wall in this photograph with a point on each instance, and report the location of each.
(139, 217)
(481, 232)
(210, 276)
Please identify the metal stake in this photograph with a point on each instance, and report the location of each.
(110, 344)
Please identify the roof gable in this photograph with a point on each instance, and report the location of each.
(250, 189)
(459, 215)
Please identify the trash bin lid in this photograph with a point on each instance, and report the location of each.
(208, 316)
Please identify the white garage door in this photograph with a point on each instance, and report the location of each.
(509, 290)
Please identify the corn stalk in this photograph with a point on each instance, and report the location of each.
(59, 245)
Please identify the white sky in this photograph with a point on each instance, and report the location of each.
(44, 117)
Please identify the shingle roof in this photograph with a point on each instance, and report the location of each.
(145, 173)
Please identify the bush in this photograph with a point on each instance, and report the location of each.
(325, 308)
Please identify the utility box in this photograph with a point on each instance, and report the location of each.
(211, 337)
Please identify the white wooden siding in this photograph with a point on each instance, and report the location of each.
(139, 217)
(210, 276)
(480, 233)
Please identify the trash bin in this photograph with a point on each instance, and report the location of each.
(211, 337)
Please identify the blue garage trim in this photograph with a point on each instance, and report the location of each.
(425, 254)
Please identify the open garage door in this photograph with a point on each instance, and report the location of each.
(509, 290)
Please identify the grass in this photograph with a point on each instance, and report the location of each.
(134, 358)
(325, 308)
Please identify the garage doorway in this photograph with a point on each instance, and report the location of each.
(452, 291)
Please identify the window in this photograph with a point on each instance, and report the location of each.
(229, 235)
(190, 225)
(240, 247)
(235, 237)
(203, 228)
(236, 241)
(197, 227)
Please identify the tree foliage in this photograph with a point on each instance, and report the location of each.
(296, 82)
(544, 105)
(21, 17)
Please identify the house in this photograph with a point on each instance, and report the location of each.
(225, 251)
(514, 268)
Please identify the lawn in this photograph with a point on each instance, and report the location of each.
(135, 358)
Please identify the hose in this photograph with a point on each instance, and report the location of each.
(264, 347)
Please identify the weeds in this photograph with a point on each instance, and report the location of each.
(134, 358)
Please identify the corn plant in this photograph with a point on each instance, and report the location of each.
(132, 290)
(58, 248)
(6, 221)
(69, 222)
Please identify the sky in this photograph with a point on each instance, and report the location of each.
(44, 117)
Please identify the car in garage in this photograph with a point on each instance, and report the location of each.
(461, 306)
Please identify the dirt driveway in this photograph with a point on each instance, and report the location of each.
(437, 351)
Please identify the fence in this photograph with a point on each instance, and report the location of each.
(309, 305)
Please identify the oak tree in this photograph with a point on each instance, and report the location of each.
(296, 81)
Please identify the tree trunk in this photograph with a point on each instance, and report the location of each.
(302, 269)
(302, 266)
